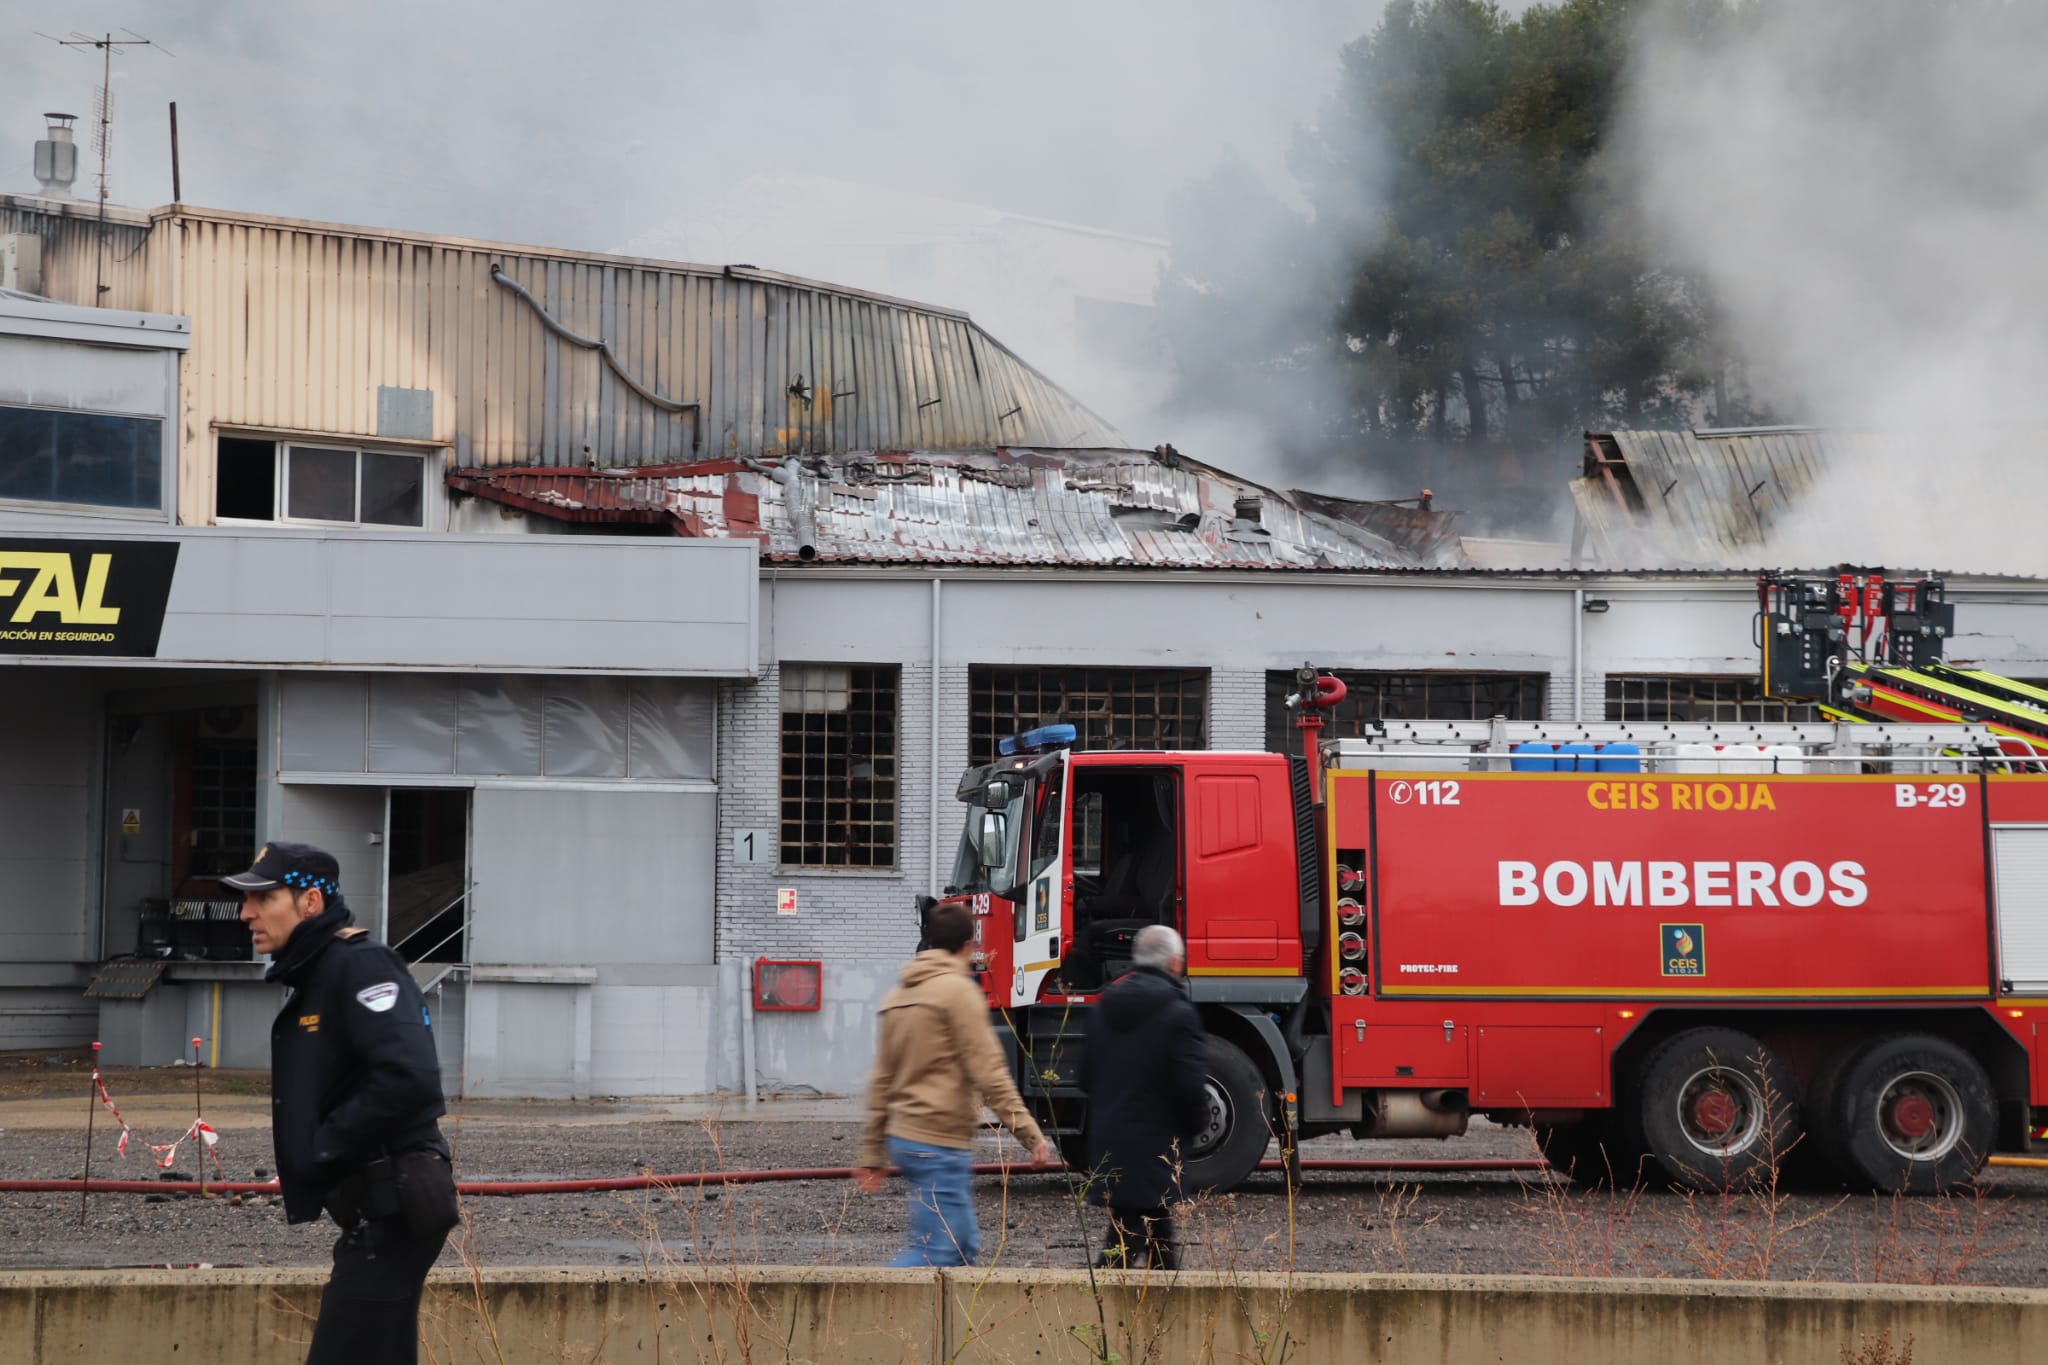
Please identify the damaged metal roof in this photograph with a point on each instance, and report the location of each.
(1688, 497)
(1096, 507)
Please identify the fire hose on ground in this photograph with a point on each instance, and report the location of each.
(687, 1179)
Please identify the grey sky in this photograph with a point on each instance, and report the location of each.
(577, 124)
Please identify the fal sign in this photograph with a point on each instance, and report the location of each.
(70, 597)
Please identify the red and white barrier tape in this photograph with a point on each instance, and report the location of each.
(108, 1101)
(167, 1154)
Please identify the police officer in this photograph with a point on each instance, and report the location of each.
(357, 1090)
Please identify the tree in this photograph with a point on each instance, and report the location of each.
(1465, 278)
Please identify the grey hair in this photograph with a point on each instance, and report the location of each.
(1156, 946)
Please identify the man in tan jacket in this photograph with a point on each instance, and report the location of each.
(936, 1062)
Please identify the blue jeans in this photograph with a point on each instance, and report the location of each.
(942, 1229)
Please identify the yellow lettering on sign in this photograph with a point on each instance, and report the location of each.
(310, 1022)
(53, 590)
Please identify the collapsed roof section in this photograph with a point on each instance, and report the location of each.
(1722, 497)
(1078, 508)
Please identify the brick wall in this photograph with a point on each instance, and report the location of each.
(860, 914)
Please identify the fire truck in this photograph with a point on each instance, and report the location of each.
(1686, 949)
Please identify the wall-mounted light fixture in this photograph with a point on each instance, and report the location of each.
(1596, 605)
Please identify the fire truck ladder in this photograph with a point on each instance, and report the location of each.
(2016, 712)
(1758, 746)
(1866, 645)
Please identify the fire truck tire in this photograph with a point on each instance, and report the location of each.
(1823, 1158)
(1229, 1148)
(1918, 1115)
(1718, 1108)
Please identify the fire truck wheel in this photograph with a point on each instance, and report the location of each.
(1230, 1144)
(1823, 1158)
(1918, 1114)
(1718, 1108)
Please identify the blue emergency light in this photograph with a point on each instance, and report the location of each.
(1036, 741)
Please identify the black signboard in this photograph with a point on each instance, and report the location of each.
(84, 596)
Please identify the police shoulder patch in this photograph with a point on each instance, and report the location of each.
(378, 998)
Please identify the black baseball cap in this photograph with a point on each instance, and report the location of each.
(299, 866)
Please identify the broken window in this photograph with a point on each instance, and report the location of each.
(839, 765)
(1112, 708)
(1370, 697)
(1664, 697)
(257, 480)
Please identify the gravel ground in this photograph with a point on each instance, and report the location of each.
(1468, 1223)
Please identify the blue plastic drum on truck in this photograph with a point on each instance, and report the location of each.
(1620, 757)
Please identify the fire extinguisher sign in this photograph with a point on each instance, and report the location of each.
(1592, 885)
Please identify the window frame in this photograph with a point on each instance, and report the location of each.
(1279, 682)
(1193, 691)
(1777, 710)
(887, 857)
(282, 443)
(166, 465)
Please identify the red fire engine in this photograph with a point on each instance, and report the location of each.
(1693, 945)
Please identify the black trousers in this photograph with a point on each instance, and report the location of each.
(370, 1310)
(1132, 1231)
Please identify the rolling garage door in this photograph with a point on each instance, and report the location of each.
(2019, 856)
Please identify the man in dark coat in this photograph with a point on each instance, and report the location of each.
(1144, 1068)
(356, 1089)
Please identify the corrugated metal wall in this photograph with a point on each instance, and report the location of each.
(70, 238)
(296, 325)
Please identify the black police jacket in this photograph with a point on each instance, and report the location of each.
(1144, 1066)
(353, 1072)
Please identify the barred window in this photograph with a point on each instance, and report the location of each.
(1663, 697)
(1370, 697)
(1113, 708)
(838, 765)
(223, 811)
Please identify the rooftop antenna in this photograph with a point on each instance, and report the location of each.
(103, 121)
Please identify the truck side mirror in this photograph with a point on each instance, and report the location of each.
(995, 838)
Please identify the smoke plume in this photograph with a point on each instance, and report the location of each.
(1864, 190)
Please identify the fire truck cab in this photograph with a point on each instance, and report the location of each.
(1699, 949)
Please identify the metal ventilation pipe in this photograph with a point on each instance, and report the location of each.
(796, 500)
(57, 157)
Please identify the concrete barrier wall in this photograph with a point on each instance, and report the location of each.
(854, 1317)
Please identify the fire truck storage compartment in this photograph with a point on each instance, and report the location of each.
(1540, 1067)
(1399, 1054)
(2019, 856)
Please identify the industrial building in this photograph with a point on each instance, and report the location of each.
(623, 624)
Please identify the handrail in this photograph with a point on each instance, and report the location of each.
(428, 923)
